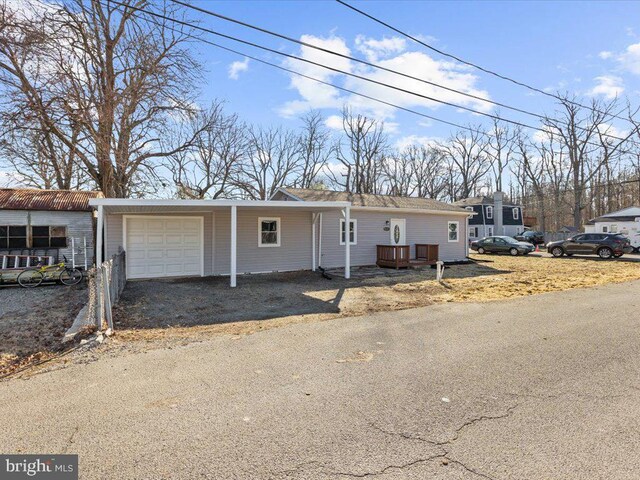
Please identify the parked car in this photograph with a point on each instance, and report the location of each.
(502, 244)
(605, 245)
(531, 236)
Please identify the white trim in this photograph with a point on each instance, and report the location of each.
(125, 202)
(515, 213)
(347, 247)
(99, 235)
(489, 212)
(172, 217)
(320, 241)
(233, 249)
(457, 231)
(355, 231)
(278, 231)
(314, 217)
(213, 243)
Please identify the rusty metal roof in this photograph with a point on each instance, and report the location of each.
(52, 200)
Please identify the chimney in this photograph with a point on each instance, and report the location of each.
(497, 213)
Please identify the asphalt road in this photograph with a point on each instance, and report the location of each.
(545, 387)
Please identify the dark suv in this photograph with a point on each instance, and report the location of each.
(605, 245)
(532, 237)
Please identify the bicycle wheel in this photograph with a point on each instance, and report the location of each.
(30, 278)
(70, 276)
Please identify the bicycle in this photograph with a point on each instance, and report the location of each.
(33, 277)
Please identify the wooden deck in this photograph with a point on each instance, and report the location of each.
(399, 256)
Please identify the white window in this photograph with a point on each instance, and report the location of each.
(489, 212)
(269, 231)
(453, 231)
(614, 228)
(605, 229)
(353, 232)
(469, 208)
(489, 231)
(473, 232)
(516, 213)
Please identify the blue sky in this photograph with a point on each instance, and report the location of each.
(582, 47)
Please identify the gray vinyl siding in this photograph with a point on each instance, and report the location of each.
(294, 252)
(79, 226)
(420, 228)
(114, 234)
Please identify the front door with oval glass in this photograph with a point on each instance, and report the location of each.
(397, 231)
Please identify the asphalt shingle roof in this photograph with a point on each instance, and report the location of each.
(370, 200)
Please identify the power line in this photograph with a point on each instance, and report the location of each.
(213, 32)
(373, 65)
(471, 64)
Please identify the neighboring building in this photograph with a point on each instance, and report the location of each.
(297, 229)
(625, 221)
(44, 222)
(493, 216)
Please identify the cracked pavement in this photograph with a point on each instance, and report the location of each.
(542, 387)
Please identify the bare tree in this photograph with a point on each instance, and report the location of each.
(531, 170)
(467, 152)
(363, 155)
(315, 150)
(207, 169)
(581, 132)
(500, 150)
(273, 161)
(105, 81)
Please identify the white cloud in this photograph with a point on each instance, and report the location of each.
(237, 67)
(409, 140)
(390, 53)
(376, 49)
(628, 60)
(608, 86)
(334, 122)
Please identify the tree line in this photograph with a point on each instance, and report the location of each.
(100, 96)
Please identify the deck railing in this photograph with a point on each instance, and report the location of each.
(396, 256)
(426, 252)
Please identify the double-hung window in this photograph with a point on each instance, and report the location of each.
(269, 231)
(13, 236)
(489, 212)
(516, 213)
(353, 232)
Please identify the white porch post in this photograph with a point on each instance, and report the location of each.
(347, 242)
(320, 241)
(314, 217)
(466, 234)
(234, 224)
(99, 232)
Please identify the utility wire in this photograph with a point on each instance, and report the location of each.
(380, 67)
(471, 64)
(213, 32)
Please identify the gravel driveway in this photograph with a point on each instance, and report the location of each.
(33, 321)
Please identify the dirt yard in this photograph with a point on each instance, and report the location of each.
(178, 310)
(33, 322)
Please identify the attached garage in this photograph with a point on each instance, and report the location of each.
(159, 246)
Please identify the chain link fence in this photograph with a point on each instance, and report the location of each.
(105, 284)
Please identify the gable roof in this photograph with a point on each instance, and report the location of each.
(482, 200)
(370, 200)
(625, 212)
(50, 200)
(609, 219)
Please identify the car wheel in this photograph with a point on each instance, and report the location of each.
(557, 252)
(605, 253)
(480, 250)
(514, 252)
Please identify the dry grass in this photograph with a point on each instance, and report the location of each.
(302, 297)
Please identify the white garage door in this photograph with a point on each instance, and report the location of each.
(163, 246)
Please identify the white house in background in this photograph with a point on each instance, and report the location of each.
(625, 222)
(297, 229)
(46, 223)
